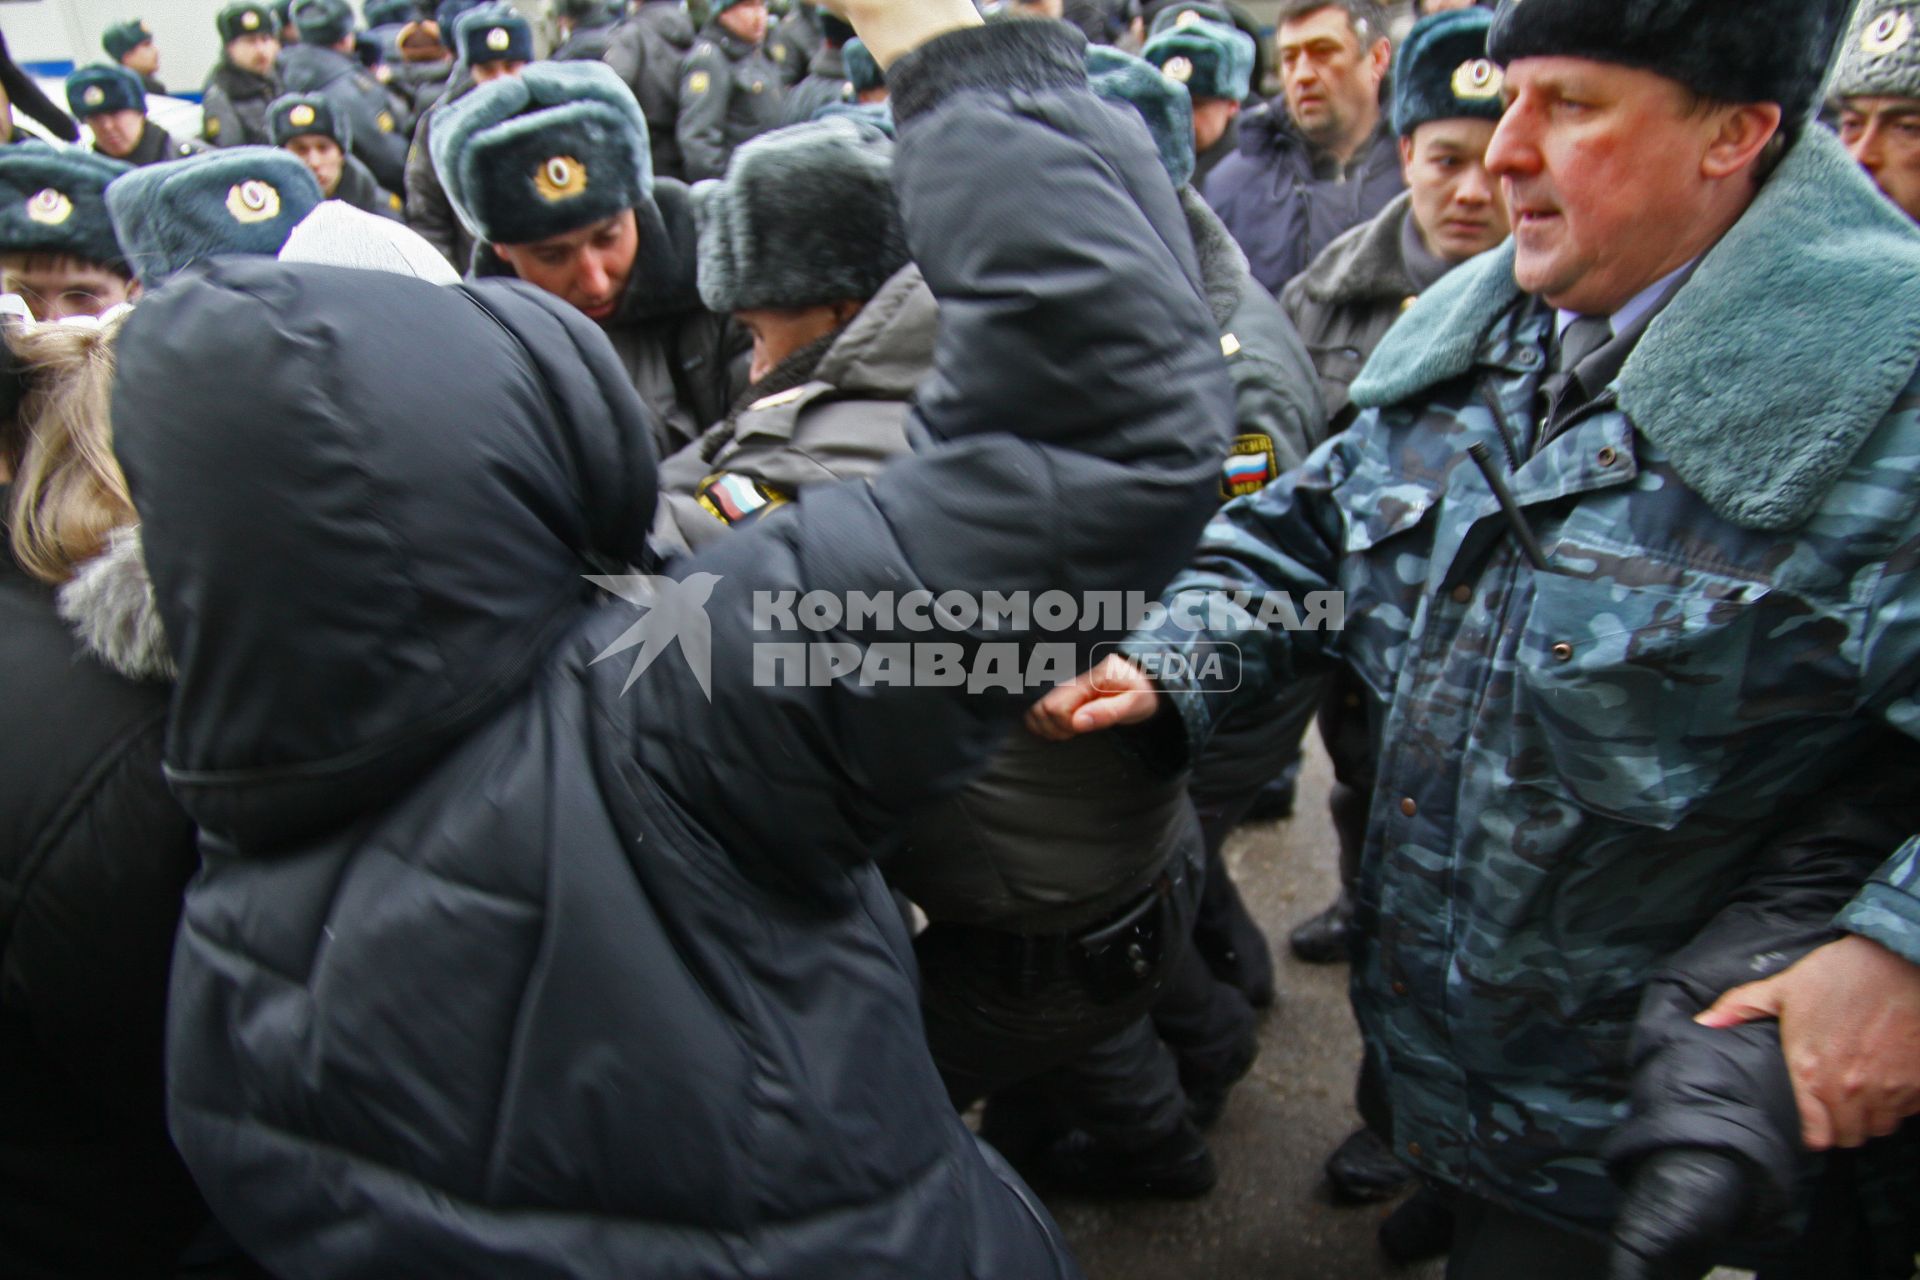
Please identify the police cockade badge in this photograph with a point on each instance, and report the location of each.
(301, 116)
(560, 178)
(1886, 33)
(1179, 70)
(49, 207)
(253, 201)
(249, 21)
(498, 40)
(94, 95)
(1477, 80)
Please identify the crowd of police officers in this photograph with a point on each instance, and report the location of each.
(1620, 715)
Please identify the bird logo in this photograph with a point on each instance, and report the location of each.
(674, 611)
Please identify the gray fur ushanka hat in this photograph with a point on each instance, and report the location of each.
(1442, 71)
(235, 200)
(54, 200)
(806, 215)
(1880, 56)
(551, 150)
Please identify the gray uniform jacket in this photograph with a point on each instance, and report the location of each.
(647, 52)
(844, 423)
(1345, 302)
(358, 188)
(730, 91)
(824, 85)
(794, 43)
(234, 107)
(428, 210)
(358, 97)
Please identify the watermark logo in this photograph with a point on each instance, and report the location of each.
(1014, 642)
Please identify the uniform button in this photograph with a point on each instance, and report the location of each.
(1608, 457)
(1528, 359)
(1408, 807)
(1399, 988)
(1563, 652)
(1413, 1149)
(1462, 594)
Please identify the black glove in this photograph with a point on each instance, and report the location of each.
(1681, 1205)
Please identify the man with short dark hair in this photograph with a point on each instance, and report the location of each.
(1876, 91)
(113, 104)
(1325, 162)
(550, 171)
(234, 103)
(130, 45)
(1614, 646)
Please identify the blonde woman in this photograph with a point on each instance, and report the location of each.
(94, 852)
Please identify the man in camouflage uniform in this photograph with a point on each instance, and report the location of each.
(1627, 552)
(730, 90)
(323, 62)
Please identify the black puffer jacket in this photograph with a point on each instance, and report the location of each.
(496, 970)
(94, 857)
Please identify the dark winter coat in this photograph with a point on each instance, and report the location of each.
(358, 189)
(94, 856)
(422, 84)
(647, 52)
(793, 44)
(234, 107)
(730, 92)
(378, 139)
(688, 364)
(1205, 162)
(844, 418)
(156, 146)
(1347, 299)
(496, 969)
(428, 209)
(1285, 204)
(825, 83)
(586, 43)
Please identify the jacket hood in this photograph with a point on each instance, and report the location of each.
(664, 281)
(1364, 264)
(888, 348)
(1223, 267)
(109, 604)
(367, 504)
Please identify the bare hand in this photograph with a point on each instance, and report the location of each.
(1850, 1029)
(893, 28)
(1113, 693)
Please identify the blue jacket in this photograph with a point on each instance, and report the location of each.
(1283, 215)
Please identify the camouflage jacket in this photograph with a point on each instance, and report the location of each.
(1579, 763)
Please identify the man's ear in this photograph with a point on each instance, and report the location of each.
(1742, 134)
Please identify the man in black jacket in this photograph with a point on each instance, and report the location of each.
(307, 125)
(494, 966)
(324, 62)
(240, 87)
(730, 90)
(111, 102)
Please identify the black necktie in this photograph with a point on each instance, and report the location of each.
(1582, 338)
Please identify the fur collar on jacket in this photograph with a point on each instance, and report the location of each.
(110, 606)
(1365, 264)
(1223, 267)
(1766, 373)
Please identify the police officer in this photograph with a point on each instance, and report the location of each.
(796, 40)
(493, 42)
(111, 102)
(1215, 62)
(1876, 92)
(234, 103)
(324, 63)
(647, 52)
(730, 90)
(57, 248)
(307, 125)
(550, 170)
(826, 80)
(587, 28)
(130, 45)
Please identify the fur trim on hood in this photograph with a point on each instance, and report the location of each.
(110, 606)
(1223, 266)
(1365, 264)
